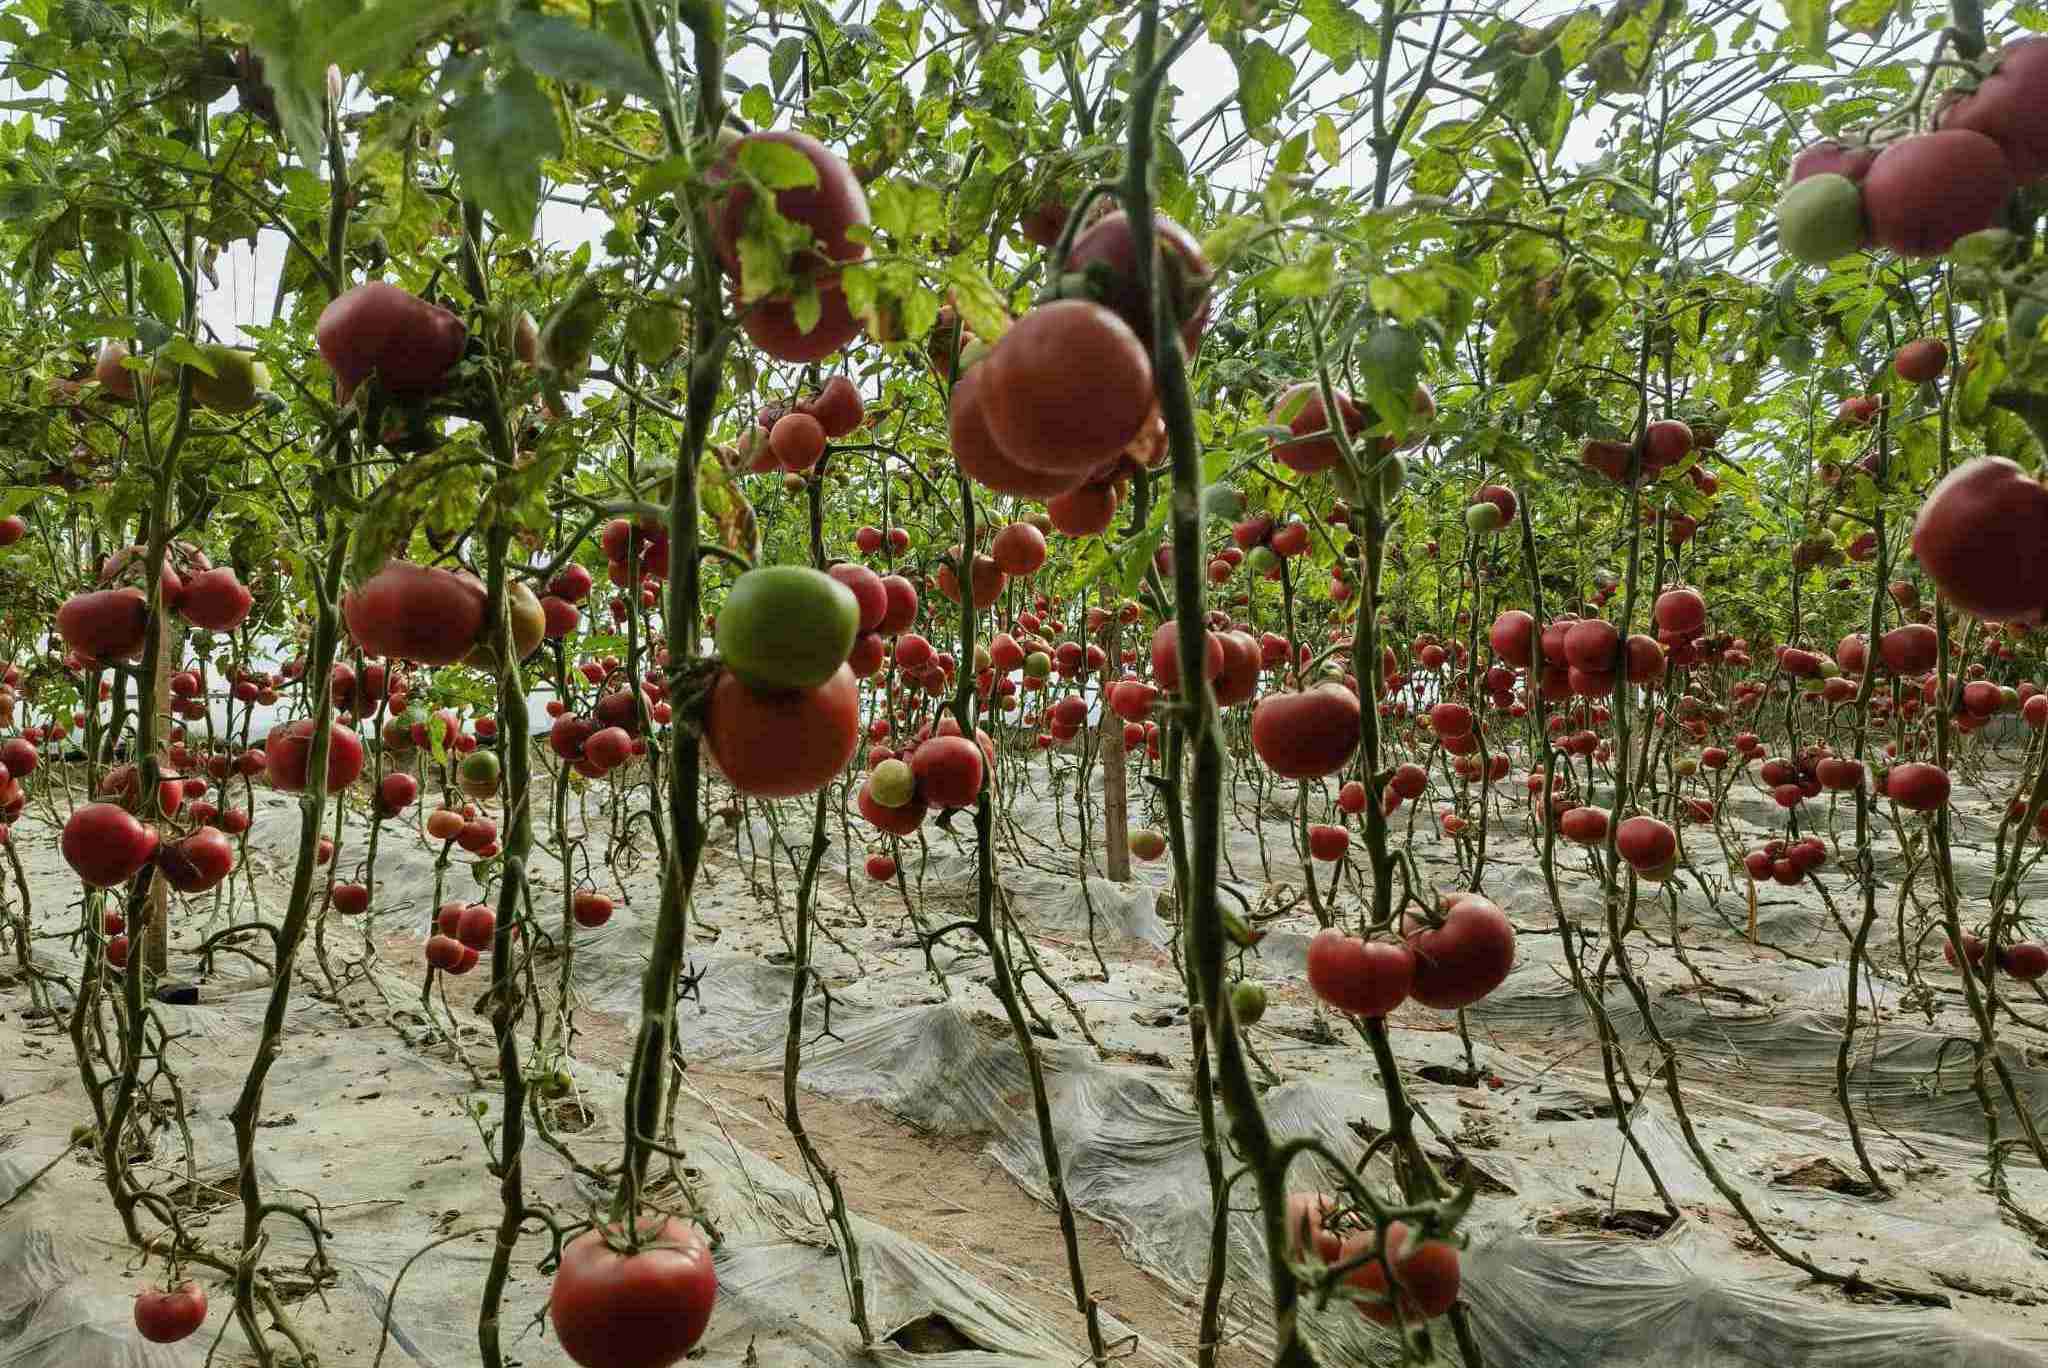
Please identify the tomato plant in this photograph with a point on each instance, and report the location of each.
(1476, 506)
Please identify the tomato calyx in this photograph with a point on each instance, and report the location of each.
(620, 1235)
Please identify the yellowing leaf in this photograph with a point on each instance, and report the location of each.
(979, 302)
(1327, 145)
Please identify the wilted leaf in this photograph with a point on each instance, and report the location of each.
(718, 494)
(980, 304)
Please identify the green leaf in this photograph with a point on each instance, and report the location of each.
(160, 291)
(1138, 554)
(777, 166)
(1807, 22)
(1311, 278)
(92, 20)
(654, 328)
(1502, 49)
(22, 199)
(1982, 378)
(521, 497)
(1293, 157)
(500, 137)
(1391, 362)
(1535, 91)
(665, 177)
(809, 308)
(391, 513)
(1327, 145)
(757, 106)
(1868, 17)
(1794, 96)
(180, 351)
(291, 37)
(565, 50)
(1228, 238)
(2031, 407)
(1339, 32)
(1265, 75)
(382, 37)
(782, 62)
(1436, 290)
(906, 209)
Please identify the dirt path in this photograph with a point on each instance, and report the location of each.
(920, 1185)
(943, 1191)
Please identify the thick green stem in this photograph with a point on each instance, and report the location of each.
(709, 338)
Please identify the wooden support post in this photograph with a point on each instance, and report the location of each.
(1109, 747)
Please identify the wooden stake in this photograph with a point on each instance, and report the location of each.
(1116, 815)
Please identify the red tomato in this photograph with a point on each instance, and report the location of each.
(1364, 978)
(167, 1317)
(1309, 734)
(1067, 388)
(1461, 961)
(1425, 1273)
(645, 1309)
(785, 743)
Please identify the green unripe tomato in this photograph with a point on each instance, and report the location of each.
(1038, 665)
(1223, 501)
(1393, 474)
(892, 783)
(1260, 560)
(477, 775)
(566, 338)
(1820, 219)
(787, 627)
(1247, 1002)
(1484, 519)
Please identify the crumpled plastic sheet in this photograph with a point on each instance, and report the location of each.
(1131, 1144)
(779, 1298)
(383, 1134)
(1566, 1303)
(1130, 1138)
